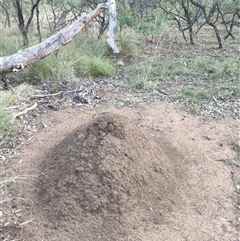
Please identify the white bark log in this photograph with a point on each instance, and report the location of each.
(25, 57)
(112, 25)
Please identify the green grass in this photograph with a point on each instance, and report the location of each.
(84, 56)
(210, 78)
(93, 66)
(9, 128)
(202, 68)
(194, 94)
(128, 46)
(209, 91)
(89, 57)
(87, 45)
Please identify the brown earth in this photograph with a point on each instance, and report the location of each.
(152, 172)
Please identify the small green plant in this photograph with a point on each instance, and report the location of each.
(127, 101)
(8, 129)
(236, 144)
(39, 71)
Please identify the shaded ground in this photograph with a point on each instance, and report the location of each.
(152, 172)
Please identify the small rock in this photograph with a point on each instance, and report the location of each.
(80, 99)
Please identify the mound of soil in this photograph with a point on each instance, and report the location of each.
(104, 179)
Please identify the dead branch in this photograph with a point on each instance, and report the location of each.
(25, 57)
(54, 95)
(25, 111)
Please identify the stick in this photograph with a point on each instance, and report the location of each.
(25, 111)
(53, 95)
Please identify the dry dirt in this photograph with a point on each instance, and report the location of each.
(152, 172)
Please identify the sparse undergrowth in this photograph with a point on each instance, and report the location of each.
(9, 102)
(197, 81)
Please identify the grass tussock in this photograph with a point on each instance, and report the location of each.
(93, 66)
(85, 56)
(128, 46)
(9, 101)
(90, 58)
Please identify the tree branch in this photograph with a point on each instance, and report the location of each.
(25, 57)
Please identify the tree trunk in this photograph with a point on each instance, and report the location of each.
(25, 57)
(7, 22)
(112, 26)
(21, 24)
(219, 39)
(38, 25)
(191, 35)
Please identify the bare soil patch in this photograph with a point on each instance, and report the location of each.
(152, 172)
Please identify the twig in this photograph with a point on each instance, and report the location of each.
(55, 94)
(12, 107)
(24, 223)
(25, 111)
(229, 160)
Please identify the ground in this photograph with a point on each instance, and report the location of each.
(170, 173)
(97, 161)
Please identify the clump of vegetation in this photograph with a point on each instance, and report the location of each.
(236, 144)
(204, 72)
(88, 45)
(83, 57)
(89, 58)
(8, 100)
(7, 127)
(128, 47)
(194, 94)
(93, 66)
(214, 69)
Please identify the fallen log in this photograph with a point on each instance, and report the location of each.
(24, 57)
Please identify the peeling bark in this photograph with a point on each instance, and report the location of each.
(25, 57)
